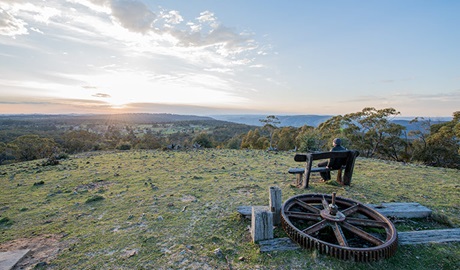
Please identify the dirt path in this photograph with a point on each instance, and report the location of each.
(43, 249)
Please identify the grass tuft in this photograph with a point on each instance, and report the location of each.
(5, 221)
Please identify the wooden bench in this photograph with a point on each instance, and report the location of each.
(343, 160)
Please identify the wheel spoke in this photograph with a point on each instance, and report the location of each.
(302, 215)
(350, 210)
(364, 235)
(366, 222)
(316, 227)
(339, 234)
(307, 206)
(325, 203)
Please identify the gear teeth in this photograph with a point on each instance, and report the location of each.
(358, 254)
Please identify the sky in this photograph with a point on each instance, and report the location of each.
(230, 57)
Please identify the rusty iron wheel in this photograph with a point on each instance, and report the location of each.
(339, 227)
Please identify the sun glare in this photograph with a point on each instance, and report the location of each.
(118, 89)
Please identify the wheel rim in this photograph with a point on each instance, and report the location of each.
(340, 227)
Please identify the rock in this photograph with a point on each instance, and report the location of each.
(40, 265)
(218, 253)
(131, 253)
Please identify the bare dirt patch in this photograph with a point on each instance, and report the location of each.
(43, 249)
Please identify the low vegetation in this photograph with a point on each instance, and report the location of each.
(151, 209)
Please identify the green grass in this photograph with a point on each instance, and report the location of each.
(174, 209)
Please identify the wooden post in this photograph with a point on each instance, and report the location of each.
(275, 204)
(261, 223)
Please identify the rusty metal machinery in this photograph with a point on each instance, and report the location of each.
(339, 227)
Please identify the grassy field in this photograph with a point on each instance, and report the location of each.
(173, 210)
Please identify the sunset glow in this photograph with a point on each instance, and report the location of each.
(93, 56)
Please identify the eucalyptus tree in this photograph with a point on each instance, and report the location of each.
(370, 131)
(270, 123)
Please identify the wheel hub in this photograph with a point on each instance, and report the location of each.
(331, 212)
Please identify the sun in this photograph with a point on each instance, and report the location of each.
(116, 103)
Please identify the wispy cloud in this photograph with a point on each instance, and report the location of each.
(101, 95)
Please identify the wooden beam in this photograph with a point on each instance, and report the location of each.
(9, 259)
(404, 238)
(399, 210)
(402, 210)
(278, 244)
(429, 236)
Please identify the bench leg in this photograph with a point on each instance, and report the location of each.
(305, 180)
(339, 176)
(298, 179)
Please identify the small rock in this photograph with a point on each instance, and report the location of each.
(131, 253)
(218, 253)
(160, 218)
(241, 259)
(40, 265)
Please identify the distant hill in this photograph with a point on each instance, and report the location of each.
(313, 120)
(134, 118)
(148, 118)
(286, 120)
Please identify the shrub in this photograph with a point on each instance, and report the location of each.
(95, 198)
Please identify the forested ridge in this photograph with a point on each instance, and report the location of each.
(373, 132)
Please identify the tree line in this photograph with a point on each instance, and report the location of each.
(370, 131)
(373, 133)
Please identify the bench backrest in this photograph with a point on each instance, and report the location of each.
(336, 158)
(321, 155)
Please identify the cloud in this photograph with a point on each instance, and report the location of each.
(117, 45)
(25, 102)
(102, 95)
(162, 31)
(133, 15)
(433, 104)
(172, 17)
(11, 26)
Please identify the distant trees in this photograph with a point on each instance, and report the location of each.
(30, 147)
(76, 141)
(6, 153)
(203, 139)
(253, 140)
(285, 138)
(150, 141)
(270, 123)
(371, 131)
(438, 144)
(234, 142)
(308, 139)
